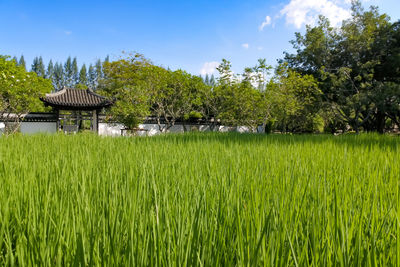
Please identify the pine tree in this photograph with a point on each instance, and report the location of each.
(207, 80)
(92, 76)
(212, 80)
(50, 71)
(83, 77)
(38, 67)
(16, 60)
(35, 65)
(75, 72)
(59, 80)
(68, 73)
(99, 71)
(22, 62)
(107, 59)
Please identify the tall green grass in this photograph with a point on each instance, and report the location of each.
(200, 199)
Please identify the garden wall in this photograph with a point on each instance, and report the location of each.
(114, 129)
(38, 127)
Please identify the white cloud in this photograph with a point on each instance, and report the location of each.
(260, 48)
(67, 32)
(302, 12)
(245, 46)
(209, 68)
(266, 22)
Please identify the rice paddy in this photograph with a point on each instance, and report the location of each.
(200, 199)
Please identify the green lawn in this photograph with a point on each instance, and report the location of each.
(200, 199)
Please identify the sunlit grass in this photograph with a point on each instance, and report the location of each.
(200, 199)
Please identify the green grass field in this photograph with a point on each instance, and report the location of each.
(200, 199)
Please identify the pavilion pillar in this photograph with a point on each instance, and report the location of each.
(95, 121)
(78, 119)
(58, 120)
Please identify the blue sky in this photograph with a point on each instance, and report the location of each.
(190, 35)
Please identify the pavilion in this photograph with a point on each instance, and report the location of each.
(73, 106)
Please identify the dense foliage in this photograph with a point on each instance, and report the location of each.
(199, 199)
(338, 79)
(140, 88)
(358, 69)
(19, 92)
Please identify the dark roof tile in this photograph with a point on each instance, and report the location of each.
(76, 99)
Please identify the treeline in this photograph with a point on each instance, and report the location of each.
(141, 89)
(66, 74)
(339, 79)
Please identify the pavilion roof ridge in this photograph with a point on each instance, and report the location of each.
(90, 91)
(62, 91)
(76, 99)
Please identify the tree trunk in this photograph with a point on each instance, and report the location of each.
(160, 128)
(264, 124)
(184, 126)
(169, 125)
(380, 122)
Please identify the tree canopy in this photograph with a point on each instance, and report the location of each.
(19, 91)
(357, 67)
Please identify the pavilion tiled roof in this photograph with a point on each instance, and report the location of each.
(69, 98)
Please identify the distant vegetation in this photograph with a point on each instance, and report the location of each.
(199, 199)
(66, 74)
(337, 80)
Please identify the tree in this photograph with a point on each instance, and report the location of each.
(59, 79)
(237, 103)
(175, 96)
(35, 64)
(140, 88)
(91, 77)
(75, 72)
(212, 80)
(355, 65)
(21, 62)
(240, 104)
(226, 75)
(257, 77)
(68, 73)
(124, 83)
(50, 71)
(83, 77)
(295, 101)
(38, 67)
(388, 72)
(355, 79)
(19, 92)
(207, 80)
(99, 71)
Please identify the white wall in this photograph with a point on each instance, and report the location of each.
(2, 126)
(38, 127)
(110, 129)
(114, 129)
